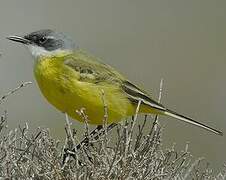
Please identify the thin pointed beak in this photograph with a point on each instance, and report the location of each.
(19, 39)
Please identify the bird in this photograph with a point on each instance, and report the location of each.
(71, 79)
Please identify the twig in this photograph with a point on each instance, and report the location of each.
(84, 116)
(105, 118)
(36, 155)
(140, 133)
(129, 139)
(14, 90)
(159, 100)
(68, 125)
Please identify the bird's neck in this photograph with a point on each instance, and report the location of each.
(39, 52)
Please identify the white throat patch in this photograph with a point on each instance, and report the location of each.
(38, 51)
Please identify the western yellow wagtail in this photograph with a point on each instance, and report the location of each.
(71, 79)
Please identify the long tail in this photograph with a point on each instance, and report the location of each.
(191, 121)
(135, 94)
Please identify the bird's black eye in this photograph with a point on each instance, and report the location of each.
(42, 40)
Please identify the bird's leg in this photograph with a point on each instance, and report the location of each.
(109, 128)
(85, 141)
(69, 151)
(71, 143)
(95, 134)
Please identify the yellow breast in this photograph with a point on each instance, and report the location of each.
(61, 87)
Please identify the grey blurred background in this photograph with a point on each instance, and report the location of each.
(181, 41)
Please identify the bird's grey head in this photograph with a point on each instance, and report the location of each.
(46, 42)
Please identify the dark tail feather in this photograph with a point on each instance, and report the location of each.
(191, 121)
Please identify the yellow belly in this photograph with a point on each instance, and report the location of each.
(60, 85)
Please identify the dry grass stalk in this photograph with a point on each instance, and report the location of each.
(133, 155)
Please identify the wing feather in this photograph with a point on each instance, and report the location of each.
(92, 70)
(136, 94)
